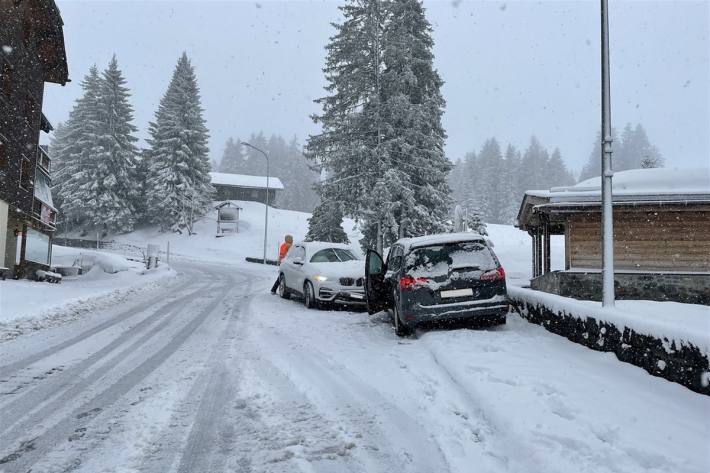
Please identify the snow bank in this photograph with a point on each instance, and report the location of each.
(87, 259)
(108, 279)
(682, 323)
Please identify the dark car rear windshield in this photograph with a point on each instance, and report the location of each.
(435, 260)
(332, 255)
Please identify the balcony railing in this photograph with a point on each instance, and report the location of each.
(43, 159)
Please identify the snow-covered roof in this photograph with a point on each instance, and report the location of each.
(441, 238)
(243, 180)
(656, 184)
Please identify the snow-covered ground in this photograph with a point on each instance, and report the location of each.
(218, 375)
(233, 247)
(212, 373)
(27, 305)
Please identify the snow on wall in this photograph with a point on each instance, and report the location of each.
(680, 323)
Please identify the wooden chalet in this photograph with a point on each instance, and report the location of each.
(243, 187)
(31, 53)
(661, 235)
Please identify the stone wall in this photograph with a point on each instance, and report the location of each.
(685, 364)
(691, 288)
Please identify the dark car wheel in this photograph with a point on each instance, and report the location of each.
(309, 296)
(283, 290)
(400, 329)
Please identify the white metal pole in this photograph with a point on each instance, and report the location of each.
(607, 172)
(266, 217)
(266, 213)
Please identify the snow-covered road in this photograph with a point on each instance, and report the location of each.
(211, 373)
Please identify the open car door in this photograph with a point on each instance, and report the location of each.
(376, 290)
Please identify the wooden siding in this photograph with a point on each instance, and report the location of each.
(662, 240)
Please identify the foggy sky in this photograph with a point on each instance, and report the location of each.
(510, 69)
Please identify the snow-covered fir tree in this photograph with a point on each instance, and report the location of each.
(493, 185)
(326, 223)
(73, 149)
(178, 186)
(412, 197)
(233, 160)
(382, 139)
(630, 151)
(509, 182)
(348, 146)
(116, 189)
(490, 191)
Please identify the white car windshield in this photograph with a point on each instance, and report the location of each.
(332, 255)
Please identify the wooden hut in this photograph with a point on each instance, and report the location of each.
(661, 235)
(242, 187)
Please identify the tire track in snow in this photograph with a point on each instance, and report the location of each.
(393, 429)
(23, 458)
(209, 430)
(12, 368)
(57, 390)
(506, 452)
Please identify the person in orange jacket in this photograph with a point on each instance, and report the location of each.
(283, 249)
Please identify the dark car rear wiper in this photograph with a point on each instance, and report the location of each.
(466, 268)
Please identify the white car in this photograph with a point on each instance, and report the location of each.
(323, 272)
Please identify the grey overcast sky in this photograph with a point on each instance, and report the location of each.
(512, 69)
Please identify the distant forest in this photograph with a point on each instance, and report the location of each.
(491, 181)
(286, 162)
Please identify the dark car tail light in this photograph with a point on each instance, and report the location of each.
(497, 274)
(407, 283)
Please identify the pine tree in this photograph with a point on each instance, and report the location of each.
(178, 183)
(412, 197)
(115, 188)
(643, 150)
(535, 166)
(558, 174)
(469, 188)
(73, 148)
(298, 178)
(511, 194)
(489, 167)
(233, 160)
(632, 151)
(326, 223)
(348, 147)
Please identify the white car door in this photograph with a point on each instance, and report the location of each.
(292, 269)
(297, 263)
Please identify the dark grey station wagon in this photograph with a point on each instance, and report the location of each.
(444, 277)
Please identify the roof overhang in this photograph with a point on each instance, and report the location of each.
(45, 125)
(52, 52)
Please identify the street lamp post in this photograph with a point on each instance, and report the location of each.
(607, 172)
(266, 215)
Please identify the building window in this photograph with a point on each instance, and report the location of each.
(37, 247)
(6, 79)
(25, 174)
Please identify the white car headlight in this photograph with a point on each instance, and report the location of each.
(320, 278)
